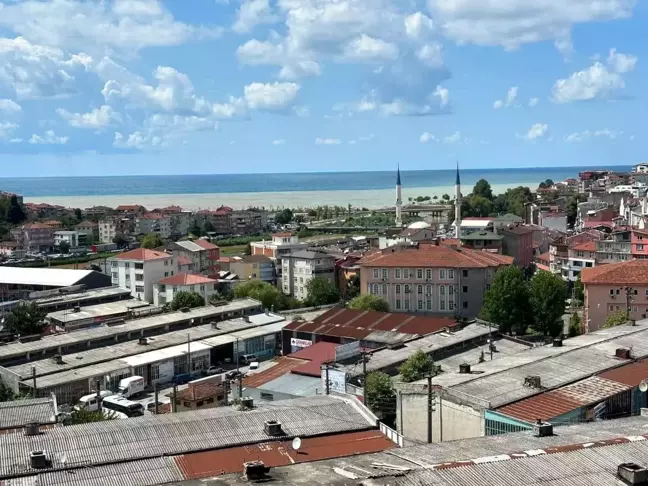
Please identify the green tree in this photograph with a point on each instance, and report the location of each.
(548, 183)
(571, 208)
(6, 393)
(369, 302)
(15, 212)
(248, 249)
(64, 247)
(195, 229)
(285, 216)
(208, 227)
(381, 396)
(269, 295)
(483, 189)
(579, 291)
(507, 302)
(219, 297)
(574, 325)
(417, 366)
(184, 299)
(120, 241)
(85, 416)
(616, 319)
(445, 197)
(152, 240)
(548, 294)
(321, 291)
(542, 185)
(26, 319)
(78, 214)
(352, 288)
(478, 206)
(95, 268)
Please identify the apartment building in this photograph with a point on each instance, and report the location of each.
(253, 267)
(579, 257)
(280, 245)
(639, 243)
(130, 209)
(34, 237)
(431, 279)
(617, 247)
(203, 254)
(90, 229)
(111, 227)
(11, 249)
(165, 289)
(617, 287)
(518, 243)
(153, 223)
(139, 270)
(300, 267)
(71, 238)
(559, 250)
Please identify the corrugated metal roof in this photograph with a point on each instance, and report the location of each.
(631, 374)
(552, 404)
(282, 366)
(152, 436)
(280, 453)
(22, 412)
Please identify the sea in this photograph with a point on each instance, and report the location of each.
(363, 189)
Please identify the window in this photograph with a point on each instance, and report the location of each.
(421, 305)
(385, 274)
(442, 305)
(442, 290)
(114, 264)
(115, 275)
(375, 289)
(202, 288)
(139, 277)
(419, 273)
(451, 305)
(451, 289)
(465, 305)
(397, 273)
(635, 291)
(611, 308)
(139, 266)
(376, 273)
(200, 404)
(384, 289)
(398, 288)
(612, 292)
(428, 304)
(407, 305)
(407, 289)
(464, 273)
(442, 273)
(588, 264)
(211, 400)
(139, 290)
(487, 287)
(428, 290)
(155, 372)
(398, 304)
(640, 247)
(166, 274)
(428, 273)
(465, 289)
(419, 289)
(451, 274)
(127, 265)
(580, 254)
(405, 273)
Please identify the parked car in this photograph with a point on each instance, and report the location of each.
(232, 375)
(182, 379)
(150, 406)
(214, 370)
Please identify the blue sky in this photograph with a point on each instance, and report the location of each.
(243, 86)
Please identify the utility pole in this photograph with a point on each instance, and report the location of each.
(240, 385)
(155, 397)
(189, 354)
(628, 291)
(34, 380)
(98, 385)
(364, 378)
(429, 408)
(237, 356)
(174, 404)
(328, 383)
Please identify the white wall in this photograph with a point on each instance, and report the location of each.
(153, 272)
(205, 290)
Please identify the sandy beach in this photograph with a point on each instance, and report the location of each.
(270, 200)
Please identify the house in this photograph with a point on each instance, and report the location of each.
(617, 247)
(16, 415)
(300, 267)
(34, 237)
(130, 209)
(153, 223)
(139, 270)
(431, 279)
(90, 229)
(202, 253)
(200, 395)
(555, 220)
(253, 267)
(639, 243)
(11, 249)
(579, 257)
(281, 245)
(418, 231)
(559, 250)
(113, 227)
(483, 240)
(472, 224)
(518, 243)
(71, 238)
(616, 287)
(165, 289)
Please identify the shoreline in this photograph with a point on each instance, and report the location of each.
(370, 198)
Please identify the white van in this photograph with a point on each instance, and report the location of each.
(131, 386)
(89, 402)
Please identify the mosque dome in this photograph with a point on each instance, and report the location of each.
(419, 225)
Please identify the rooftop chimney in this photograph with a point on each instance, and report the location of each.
(542, 429)
(532, 382)
(632, 473)
(58, 359)
(557, 343)
(142, 341)
(464, 368)
(255, 470)
(214, 325)
(38, 459)
(246, 318)
(623, 353)
(272, 428)
(32, 429)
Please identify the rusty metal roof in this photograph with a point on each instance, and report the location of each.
(631, 374)
(280, 453)
(563, 400)
(283, 365)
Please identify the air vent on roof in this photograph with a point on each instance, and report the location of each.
(532, 381)
(247, 402)
(214, 325)
(246, 318)
(542, 429)
(38, 459)
(255, 470)
(58, 359)
(464, 368)
(557, 343)
(623, 353)
(272, 428)
(77, 308)
(142, 341)
(632, 473)
(32, 429)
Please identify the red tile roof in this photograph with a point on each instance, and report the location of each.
(199, 391)
(280, 453)
(597, 224)
(205, 244)
(184, 261)
(153, 216)
(587, 246)
(186, 279)
(36, 226)
(129, 207)
(632, 272)
(282, 366)
(316, 355)
(282, 235)
(143, 254)
(441, 256)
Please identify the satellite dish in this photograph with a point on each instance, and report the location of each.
(296, 443)
(643, 386)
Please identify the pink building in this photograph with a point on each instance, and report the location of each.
(518, 243)
(639, 243)
(617, 287)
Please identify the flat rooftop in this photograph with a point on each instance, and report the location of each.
(22, 412)
(99, 333)
(47, 277)
(98, 311)
(73, 297)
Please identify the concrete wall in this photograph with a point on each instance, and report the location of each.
(599, 303)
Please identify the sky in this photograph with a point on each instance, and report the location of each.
(121, 87)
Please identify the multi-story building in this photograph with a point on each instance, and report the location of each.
(11, 249)
(617, 287)
(130, 209)
(226, 220)
(579, 257)
(90, 229)
(153, 223)
(71, 238)
(165, 289)
(518, 243)
(139, 270)
(253, 267)
(112, 227)
(282, 244)
(34, 237)
(559, 250)
(639, 243)
(202, 253)
(431, 279)
(300, 267)
(615, 248)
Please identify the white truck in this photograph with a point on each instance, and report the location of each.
(131, 386)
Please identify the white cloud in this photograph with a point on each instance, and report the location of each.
(595, 82)
(279, 141)
(6, 129)
(253, 13)
(454, 138)
(49, 138)
(443, 96)
(126, 25)
(97, 118)
(621, 63)
(430, 55)
(233, 108)
(511, 97)
(367, 49)
(173, 124)
(533, 102)
(137, 140)
(275, 96)
(9, 106)
(586, 134)
(327, 141)
(512, 23)
(418, 26)
(537, 130)
(428, 137)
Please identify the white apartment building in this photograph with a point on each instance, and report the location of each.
(282, 244)
(69, 237)
(107, 231)
(139, 270)
(154, 223)
(165, 290)
(301, 267)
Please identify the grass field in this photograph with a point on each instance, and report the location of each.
(232, 250)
